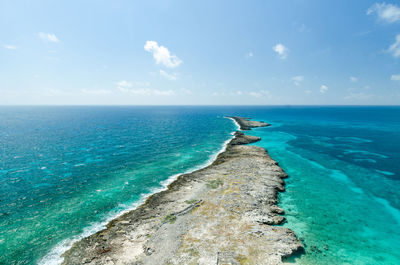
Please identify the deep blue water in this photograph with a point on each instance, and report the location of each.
(66, 170)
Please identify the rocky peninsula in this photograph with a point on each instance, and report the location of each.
(246, 124)
(225, 213)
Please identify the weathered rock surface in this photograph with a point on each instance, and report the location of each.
(222, 214)
(241, 138)
(246, 124)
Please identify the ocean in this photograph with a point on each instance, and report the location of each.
(66, 171)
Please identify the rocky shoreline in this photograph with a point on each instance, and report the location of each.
(225, 213)
(246, 124)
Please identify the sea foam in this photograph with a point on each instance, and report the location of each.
(54, 256)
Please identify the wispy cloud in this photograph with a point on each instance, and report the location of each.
(171, 77)
(124, 85)
(239, 93)
(281, 50)
(387, 13)
(395, 77)
(9, 47)
(151, 92)
(353, 79)
(358, 96)
(260, 94)
(249, 55)
(142, 89)
(297, 80)
(323, 89)
(48, 37)
(162, 55)
(96, 91)
(394, 49)
(186, 91)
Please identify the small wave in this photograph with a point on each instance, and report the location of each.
(353, 139)
(365, 160)
(54, 256)
(363, 152)
(387, 173)
(237, 124)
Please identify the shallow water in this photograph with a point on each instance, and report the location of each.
(343, 195)
(64, 171)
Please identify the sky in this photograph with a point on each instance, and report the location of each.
(298, 52)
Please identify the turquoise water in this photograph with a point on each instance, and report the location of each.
(343, 193)
(65, 171)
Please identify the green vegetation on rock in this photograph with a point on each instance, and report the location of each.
(171, 218)
(215, 183)
(191, 201)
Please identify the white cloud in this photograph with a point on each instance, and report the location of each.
(260, 94)
(48, 37)
(162, 55)
(186, 91)
(249, 54)
(255, 94)
(151, 92)
(10, 47)
(170, 77)
(323, 89)
(358, 96)
(298, 79)
(353, 79)
(142, 89)
(394, 49)
(124, 85)
(386, 12)
(96, 91)
(395, 77)
(55, 91)
(281, 50)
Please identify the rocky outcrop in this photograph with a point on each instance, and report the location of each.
(225, 213)
(246, 124)
(241, 138)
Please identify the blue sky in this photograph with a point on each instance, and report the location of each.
(200, 52)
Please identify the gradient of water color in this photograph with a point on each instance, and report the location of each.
(343, 195)
(66, 170)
